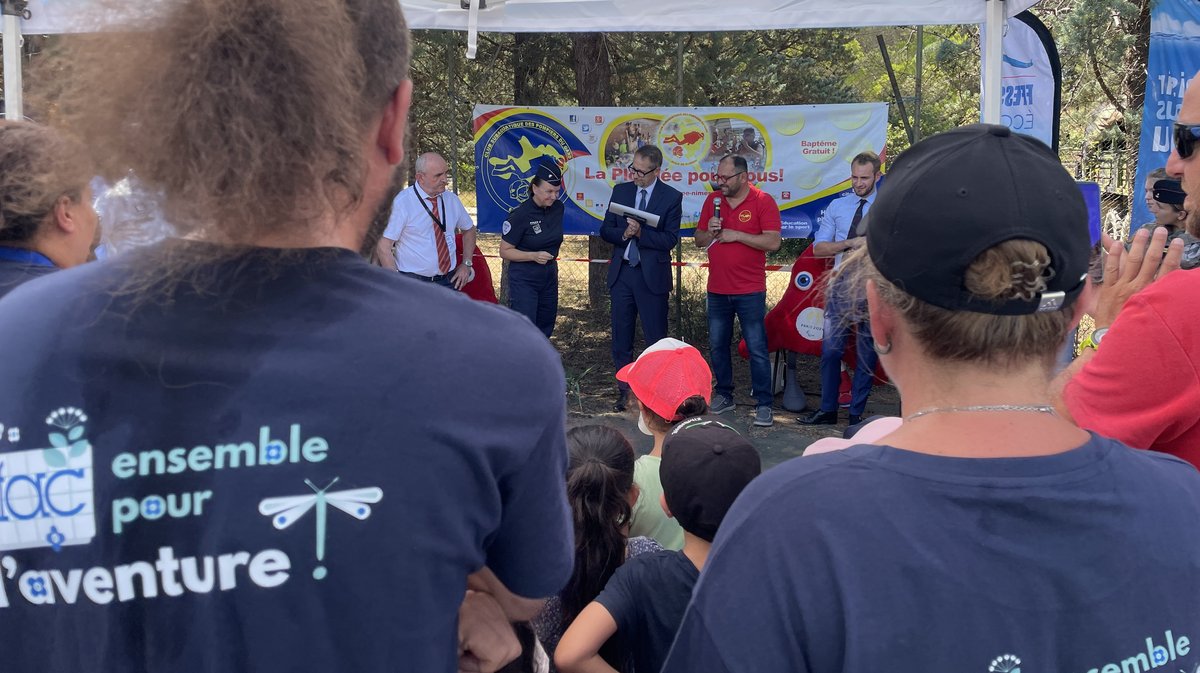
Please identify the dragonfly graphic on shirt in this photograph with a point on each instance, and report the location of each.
(287, 510)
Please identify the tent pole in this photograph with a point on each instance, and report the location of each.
(993, 39)
(14, 100)
(920, 77)
(679, 243)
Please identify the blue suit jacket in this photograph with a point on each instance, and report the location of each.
(655, 244)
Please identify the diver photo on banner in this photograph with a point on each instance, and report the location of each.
(1174, 58)
(799, 154)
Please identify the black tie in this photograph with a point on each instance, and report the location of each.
(632, 254)
(858, 215)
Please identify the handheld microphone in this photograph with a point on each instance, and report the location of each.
(716, 214)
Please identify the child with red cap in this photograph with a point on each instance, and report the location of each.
(671, 382)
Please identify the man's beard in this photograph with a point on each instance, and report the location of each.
(383, 213)
(1193, 222)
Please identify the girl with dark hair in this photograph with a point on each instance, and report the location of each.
(601, 492)
(46, 217)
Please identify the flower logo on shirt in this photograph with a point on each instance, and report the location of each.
(55, 538)
(37, 587)
(275, 451)
(70, 442)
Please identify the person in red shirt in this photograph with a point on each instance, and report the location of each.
(1142, 385)
(738, 231)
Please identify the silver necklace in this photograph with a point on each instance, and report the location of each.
(1039, 408)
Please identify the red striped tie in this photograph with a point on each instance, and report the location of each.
(440, 238)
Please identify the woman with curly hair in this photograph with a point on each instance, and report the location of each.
(247, 449)
(46, 218)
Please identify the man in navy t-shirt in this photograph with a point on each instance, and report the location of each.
(278, 479)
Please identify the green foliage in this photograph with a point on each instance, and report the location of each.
(1102, 45)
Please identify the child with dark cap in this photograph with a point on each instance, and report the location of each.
(705, 466)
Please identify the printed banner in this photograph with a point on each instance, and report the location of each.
(1174, 59)
(798, 154)
(1030, 79)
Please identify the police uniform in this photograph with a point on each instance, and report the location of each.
(533, 287)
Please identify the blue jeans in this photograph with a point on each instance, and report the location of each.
(751, 310)
(833, 346)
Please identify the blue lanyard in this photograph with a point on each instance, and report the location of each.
(24, 256)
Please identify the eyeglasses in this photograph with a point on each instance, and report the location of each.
(641, 173)
(1186, 137)
(727, 178)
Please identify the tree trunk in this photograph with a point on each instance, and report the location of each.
(526, 62)
(1135, 85)
(593, 87)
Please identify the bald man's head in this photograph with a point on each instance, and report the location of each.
(432, 174)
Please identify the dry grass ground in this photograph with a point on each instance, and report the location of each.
(582, 337)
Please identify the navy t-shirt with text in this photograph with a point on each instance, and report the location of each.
(879, 559)
(291, 465)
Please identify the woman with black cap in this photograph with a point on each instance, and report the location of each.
(531, 237)
(986, 533)
(1170, 214)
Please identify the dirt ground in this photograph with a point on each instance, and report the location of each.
(582, 336)
(592, 403)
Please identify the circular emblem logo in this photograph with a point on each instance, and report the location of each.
(810, 324)
(512, 151)
(683, 138)
(744, 216)
(804, 280)
(506, 228)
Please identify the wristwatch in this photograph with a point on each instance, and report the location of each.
(1093, 340)
(467, 262)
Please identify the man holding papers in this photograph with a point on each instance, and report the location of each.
(639, 276)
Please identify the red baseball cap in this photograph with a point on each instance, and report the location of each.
(666, 374)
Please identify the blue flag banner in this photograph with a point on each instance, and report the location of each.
(1174, 59)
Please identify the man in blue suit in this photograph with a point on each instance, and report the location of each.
(639, 277)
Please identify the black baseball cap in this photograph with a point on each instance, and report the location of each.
(1169, 191)
(548, 171)
(954, 195)
(705, 466)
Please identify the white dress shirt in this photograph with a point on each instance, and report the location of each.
(412, 228)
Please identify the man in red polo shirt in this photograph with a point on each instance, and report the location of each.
(737, 226)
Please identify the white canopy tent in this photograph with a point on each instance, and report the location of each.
(547, 16)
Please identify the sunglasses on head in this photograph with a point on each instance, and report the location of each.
(1186, 137)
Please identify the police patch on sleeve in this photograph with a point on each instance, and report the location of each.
(506, 228)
